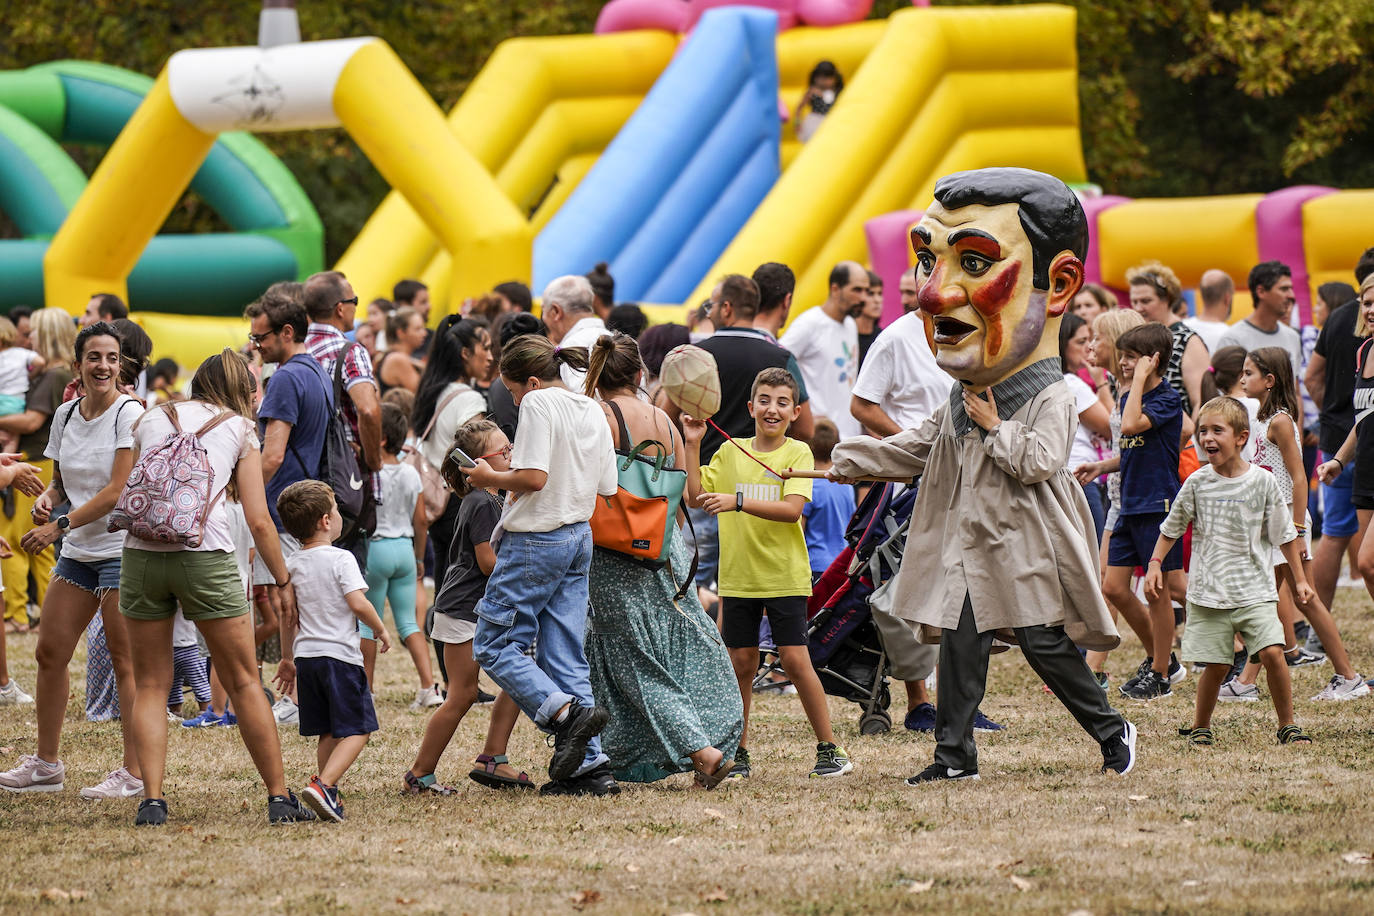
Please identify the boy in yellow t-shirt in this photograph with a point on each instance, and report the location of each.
(763, 559)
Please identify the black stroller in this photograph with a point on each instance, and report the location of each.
(845, 643)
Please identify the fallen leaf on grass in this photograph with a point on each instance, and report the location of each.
(1022, 884)
(405, 901)
(920, 887)
(712, 812)
(6, 750)
(675, 840)
(715, 896)
(1357, 858)
(1137, 797)
(1191, 883)
(209, 837)
(1080, 913)
(586, 898)
(632, 868)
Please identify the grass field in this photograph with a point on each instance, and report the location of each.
(1246, 826)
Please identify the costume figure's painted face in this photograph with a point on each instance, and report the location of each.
(974, 282)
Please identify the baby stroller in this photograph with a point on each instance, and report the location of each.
(846, 644)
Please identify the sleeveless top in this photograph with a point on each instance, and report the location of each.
(1173, 374)
(1364, 428)
(1268, 456)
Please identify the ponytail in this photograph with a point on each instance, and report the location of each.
(600, 351)
(1222, 375)
(529, 357)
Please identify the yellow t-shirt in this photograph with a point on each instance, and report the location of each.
(759, 558)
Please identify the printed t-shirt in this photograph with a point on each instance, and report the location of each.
(85, 452)
(759, 558)
(828, 353)
(1236, 522)
(1149, 460)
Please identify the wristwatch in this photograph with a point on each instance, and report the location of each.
(739, 502)
(63, 523)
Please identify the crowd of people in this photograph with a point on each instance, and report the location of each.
(353, 465)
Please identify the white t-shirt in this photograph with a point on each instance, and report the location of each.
(827, 353)
(1210, 331)
(225, 445)
(242, 537)
(582, 334)
(901, 376)
(566, 436)
(400, 489)
(462, 407)
(1086, 444)
(85, 452)
(183, 631)
(322, 577)
(14, 371)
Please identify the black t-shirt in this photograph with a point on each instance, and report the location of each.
(503, 410)
(1337, 344)
(741, 354)
(866, 341)
(465, 583)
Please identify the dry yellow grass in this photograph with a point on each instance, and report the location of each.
(1246, 826)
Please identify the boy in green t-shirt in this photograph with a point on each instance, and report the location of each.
(764, 564)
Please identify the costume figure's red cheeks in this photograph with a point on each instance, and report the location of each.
(991, 297)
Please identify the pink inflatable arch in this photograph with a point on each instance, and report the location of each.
(888, 250)
(681, 15)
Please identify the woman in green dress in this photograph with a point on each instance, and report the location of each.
(657, 661)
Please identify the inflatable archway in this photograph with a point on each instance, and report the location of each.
(277, 233)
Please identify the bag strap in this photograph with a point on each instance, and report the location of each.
(434, 418)
(170, 410)
(214, 421)
(1360, 354)
(623, 431)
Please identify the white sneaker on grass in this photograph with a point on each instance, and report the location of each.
(286, 712)
(1235, 690)
(13, 695)
(427, 698)
(34, 775)
(119, 784)
(1340, 688)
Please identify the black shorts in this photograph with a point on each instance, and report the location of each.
(1134, 540)
(334, 698)
(740, 619)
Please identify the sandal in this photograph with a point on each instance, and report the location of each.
(710, 781)
(1293, 734)
(1198, 737)
(485, 774)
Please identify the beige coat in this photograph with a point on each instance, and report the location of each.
(1000, 519)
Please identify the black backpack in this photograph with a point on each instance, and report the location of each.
(339, 465)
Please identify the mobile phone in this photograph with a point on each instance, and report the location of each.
(464, 460)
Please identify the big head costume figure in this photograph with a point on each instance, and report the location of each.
(999, 258)
(1001, 539)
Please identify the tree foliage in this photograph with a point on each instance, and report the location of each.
(1178, 97)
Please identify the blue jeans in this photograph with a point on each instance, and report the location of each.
(537, 595)
(706, 540)
(1094, 496)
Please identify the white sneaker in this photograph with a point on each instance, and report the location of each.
(1340, 688)
(427, 698)
(173, 718)
(286, 712)
(13, 695)
(1235, 690)
(34, 775)
(119, 784)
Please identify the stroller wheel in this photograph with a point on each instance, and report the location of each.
(875, 723)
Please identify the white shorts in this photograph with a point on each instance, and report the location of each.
(261, 574)
(451, 630)
(1305, 548)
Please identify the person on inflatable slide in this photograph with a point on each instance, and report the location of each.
(1001, 536)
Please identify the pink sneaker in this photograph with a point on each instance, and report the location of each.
(34, 775)
(119, 784)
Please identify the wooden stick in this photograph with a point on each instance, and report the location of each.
(791, 473)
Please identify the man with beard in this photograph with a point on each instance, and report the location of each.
(1001, 538)
(825, 341)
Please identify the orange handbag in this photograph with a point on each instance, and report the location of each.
(637, 521)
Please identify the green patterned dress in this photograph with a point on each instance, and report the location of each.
(659, 666)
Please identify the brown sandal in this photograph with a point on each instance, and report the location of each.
(714, 779)
(485, 774)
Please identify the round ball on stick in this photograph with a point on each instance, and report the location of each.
(691, 380)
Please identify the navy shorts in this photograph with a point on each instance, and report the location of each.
(333, 697)
(1133, 542)
(740, 619)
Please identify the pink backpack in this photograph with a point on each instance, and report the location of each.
(167, 498)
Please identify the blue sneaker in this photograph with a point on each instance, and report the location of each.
(207, 719)
(982, 723)
(921, 719)
(324, 800)
(228, 720)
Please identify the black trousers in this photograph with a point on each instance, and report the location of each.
(964, 675)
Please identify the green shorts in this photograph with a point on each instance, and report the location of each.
(1208, 636)
(206, 582)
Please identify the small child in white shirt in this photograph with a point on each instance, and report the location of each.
(17, 364)
(331, 598)
(188, 668)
